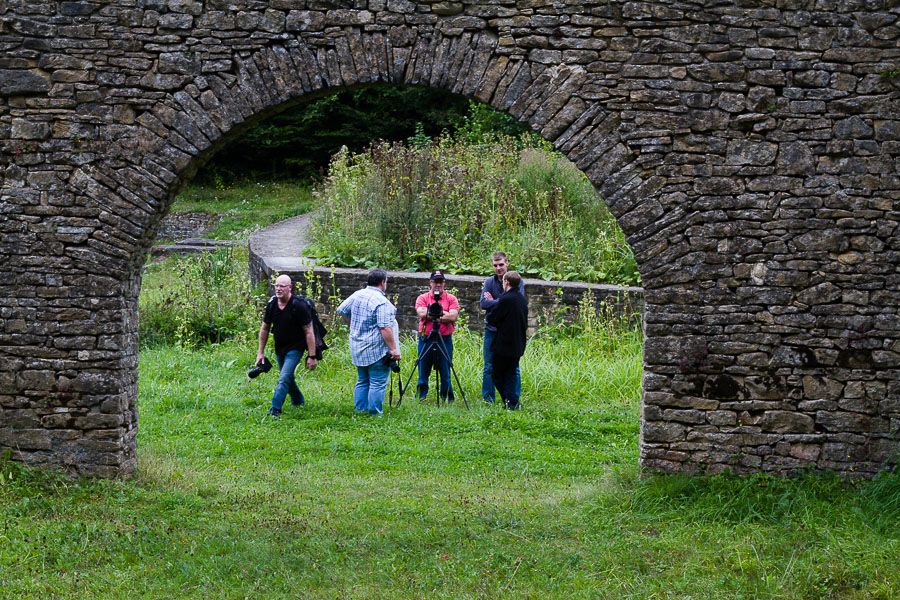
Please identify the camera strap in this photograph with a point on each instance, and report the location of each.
(391, 390)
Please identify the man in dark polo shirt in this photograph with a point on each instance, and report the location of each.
(290, 322)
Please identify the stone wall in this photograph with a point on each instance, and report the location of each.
(548, 301)
(749, 150)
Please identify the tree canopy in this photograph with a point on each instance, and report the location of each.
(298, 143)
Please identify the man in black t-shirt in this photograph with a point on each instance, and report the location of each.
(290, 322)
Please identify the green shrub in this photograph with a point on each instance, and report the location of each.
(192, 300)
(449, 204)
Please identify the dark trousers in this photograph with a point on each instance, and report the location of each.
(505, 379)
(433, 357)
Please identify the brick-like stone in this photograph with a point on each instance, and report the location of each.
(786, 422)
(23, 82)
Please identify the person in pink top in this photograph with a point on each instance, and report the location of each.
(436, 308)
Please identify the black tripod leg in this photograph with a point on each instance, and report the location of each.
(408, 379)
(391, 390)
(446, 356)
(437, 380)
(399, 390)
(462, 394)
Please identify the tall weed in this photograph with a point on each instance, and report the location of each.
(192, 300)
(449, 204)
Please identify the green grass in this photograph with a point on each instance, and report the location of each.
(244, 208)
(429, 501)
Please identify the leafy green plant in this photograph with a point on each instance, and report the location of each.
(483, 124)
(198, 299)
(449, 204)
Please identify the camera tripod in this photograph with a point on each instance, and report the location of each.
(434, 343)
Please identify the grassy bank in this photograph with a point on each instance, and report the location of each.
(429, 501)
(245, 207)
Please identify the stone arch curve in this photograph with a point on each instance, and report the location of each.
(752, 168)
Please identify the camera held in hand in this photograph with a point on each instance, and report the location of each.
(264, 367)
(393, 363)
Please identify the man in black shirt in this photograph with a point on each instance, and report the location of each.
(291, 323)
(490, 294)
(510, 317)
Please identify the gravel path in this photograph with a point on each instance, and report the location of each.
(282, 244)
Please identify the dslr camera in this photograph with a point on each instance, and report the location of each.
(435, 310)
(264, 367)
(392, 363)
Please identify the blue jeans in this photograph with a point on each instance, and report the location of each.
(487, 380)
(435, 358)
(371, 385)
(287, 364)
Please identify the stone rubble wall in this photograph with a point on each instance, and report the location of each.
(549, 302)
(748, 149)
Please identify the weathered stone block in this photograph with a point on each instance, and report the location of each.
(722, 418)
(99, 421)
(25, 439)
(846, 421)
(23, 129)
(822, 388)
(662, 432)
(786, 422)
(175, 21)
(22, 82)
(304, 20)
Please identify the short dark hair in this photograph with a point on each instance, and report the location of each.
(498, 255)
(513, 278)
(376, 277)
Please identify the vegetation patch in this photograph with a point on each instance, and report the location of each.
(243, 207)
(429, 500)
(193, 300)
(449, 203)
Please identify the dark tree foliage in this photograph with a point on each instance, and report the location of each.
(298, 143)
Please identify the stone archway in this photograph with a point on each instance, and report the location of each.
(749, 153)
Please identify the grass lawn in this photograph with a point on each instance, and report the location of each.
(244, 208)
(429, 501)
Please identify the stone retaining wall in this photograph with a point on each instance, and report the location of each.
(548, 301)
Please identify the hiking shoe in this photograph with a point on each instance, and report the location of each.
(274, 413)
(488, 400)
(300, 402)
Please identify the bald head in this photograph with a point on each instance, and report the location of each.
(283, 286)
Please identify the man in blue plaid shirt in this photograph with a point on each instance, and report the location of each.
(373, 340)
